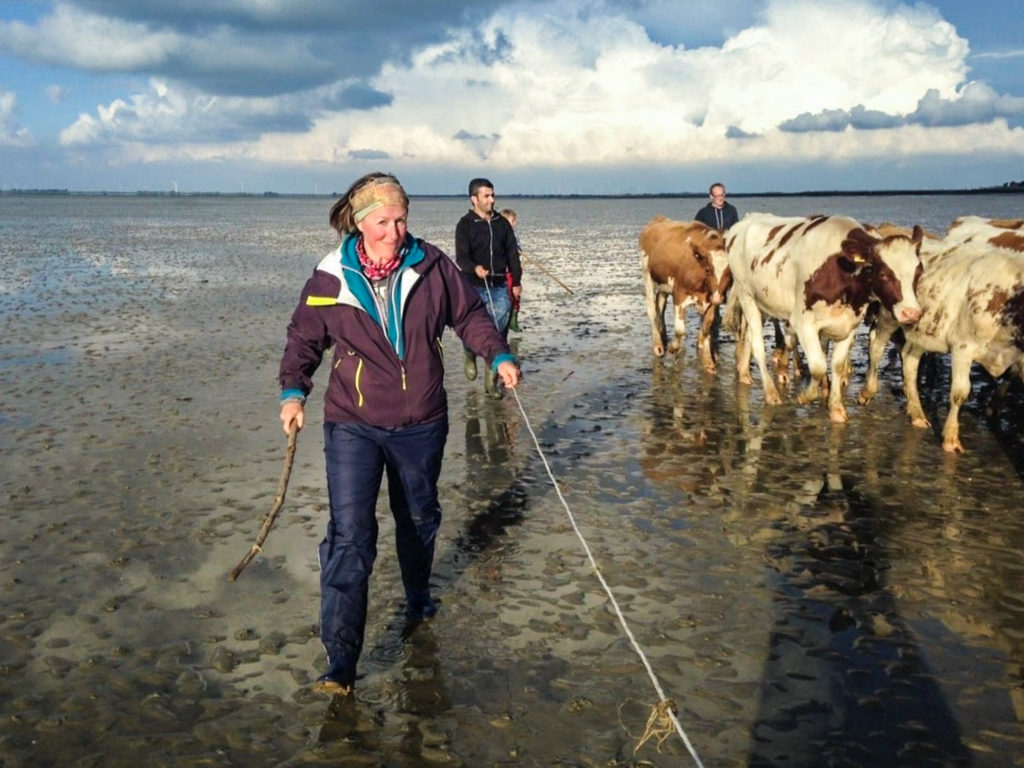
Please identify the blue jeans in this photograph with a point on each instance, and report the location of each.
(498, 303)
(357, 456)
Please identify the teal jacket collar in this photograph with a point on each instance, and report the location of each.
(352, 273)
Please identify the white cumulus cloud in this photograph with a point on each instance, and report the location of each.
(11, 133)
(558, 84)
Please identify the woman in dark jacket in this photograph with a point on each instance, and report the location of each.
(382, 299)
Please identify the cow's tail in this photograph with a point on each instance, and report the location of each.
(732, 317)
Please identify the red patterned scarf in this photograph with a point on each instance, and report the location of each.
(373, 270)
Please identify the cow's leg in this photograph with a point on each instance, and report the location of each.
(704, 352)
(655, 302)
(1003, 384)
(959, 391)
(817, 363)
(878, 338)
(780, 355)
(742, 331)
(910, 356)
(679, 304)
(791, 348)
(755, 335)
(840, 363)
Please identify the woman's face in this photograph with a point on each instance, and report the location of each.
(384, 231)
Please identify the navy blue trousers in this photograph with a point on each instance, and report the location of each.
(357, 456)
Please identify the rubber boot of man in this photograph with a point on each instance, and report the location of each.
(469, 364)
(491, 384)
(513, 323)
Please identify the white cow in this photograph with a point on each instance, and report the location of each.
(818, 274)
(972, 299)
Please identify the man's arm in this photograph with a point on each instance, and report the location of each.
(463, 253)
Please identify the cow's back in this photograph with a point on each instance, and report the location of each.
(972, 294)
(772, 256)
(667, 251)
(1003, 234)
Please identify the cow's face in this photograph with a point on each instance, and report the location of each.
(897, 273)
(709, 250)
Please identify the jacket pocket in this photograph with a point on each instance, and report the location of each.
(354, 369)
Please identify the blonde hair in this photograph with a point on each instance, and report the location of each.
(366, 194)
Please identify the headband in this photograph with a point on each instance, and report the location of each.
(368, 199)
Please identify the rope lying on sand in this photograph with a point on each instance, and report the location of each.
(665, 709)
(282, 487)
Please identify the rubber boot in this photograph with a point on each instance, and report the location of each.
(513, 323)
(469, 364)
(491, 384)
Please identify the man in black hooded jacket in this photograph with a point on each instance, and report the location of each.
(486, 250)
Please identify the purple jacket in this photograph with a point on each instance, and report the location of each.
(385, 374)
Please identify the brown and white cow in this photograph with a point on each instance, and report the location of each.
(685, 260)
(972, 300)
(818, 274)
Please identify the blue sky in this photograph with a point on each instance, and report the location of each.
(552, 97)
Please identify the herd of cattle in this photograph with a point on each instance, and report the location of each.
(818, 278)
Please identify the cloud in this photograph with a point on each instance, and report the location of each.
(732, 132)
(999, 55)
(972, 104)
(11, 133)
(368, 154)
(56, 94)
(176, 116)
(234, 47)
(580, 84)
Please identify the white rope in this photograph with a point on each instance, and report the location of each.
(622, 620)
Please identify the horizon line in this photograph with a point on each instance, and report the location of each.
(1007, 187)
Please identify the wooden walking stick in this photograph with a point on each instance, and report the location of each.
(533, 260)
(282, 486)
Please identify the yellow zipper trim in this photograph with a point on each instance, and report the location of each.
(359, 376)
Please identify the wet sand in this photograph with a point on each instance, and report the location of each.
(801, 589)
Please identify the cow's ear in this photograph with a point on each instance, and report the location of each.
(917, 237)
(854, 256)
(859, 246)
(850, 265)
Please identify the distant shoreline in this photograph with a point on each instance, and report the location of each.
(1012, 188)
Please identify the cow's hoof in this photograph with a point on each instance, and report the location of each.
(864, 398)
(921, 422)
(659, 351)
(839, 416)
(952, 446)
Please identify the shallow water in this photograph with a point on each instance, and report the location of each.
(806, 593)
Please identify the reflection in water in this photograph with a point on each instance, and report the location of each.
(845, 682)
(490, 452)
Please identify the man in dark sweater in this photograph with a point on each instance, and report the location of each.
(717, 214)
(486, 251)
